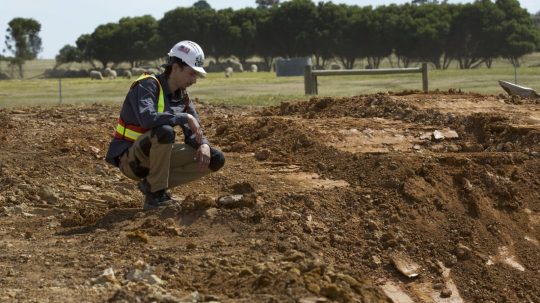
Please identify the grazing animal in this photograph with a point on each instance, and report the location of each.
(228, 72)
(96, 75)
(137, 71)
(112, 74)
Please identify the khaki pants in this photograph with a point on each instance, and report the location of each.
(163, 165)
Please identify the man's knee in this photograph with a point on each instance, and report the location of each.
(217, 159)
(165, 134)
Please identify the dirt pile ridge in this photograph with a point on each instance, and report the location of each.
(403, 197)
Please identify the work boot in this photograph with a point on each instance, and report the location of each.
(160, 198)
(143, 186)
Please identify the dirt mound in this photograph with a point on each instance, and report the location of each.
(406, 197)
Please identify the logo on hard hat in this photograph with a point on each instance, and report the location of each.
(199, 62)
(184, 49)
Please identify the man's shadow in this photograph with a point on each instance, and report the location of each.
(115, 217)
(112, 217)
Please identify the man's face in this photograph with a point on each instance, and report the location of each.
(184, 77)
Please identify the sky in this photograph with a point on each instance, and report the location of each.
(63, 21)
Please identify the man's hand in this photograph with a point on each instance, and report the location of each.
(195, 128)
(202, 156)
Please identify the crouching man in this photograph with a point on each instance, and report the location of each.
(144, 147)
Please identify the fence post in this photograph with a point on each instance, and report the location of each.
(60, 89)
(424, 77)
(314, 85)
(307, 80)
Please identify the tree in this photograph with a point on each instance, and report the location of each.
(425, 2)
(517, 32)
(536, 18)
(289, 29)
(221, 35)
(418, 26)
(265, 47)
(84, 44)
(201, 4)
(350, 47)
(104, 45)
(378, 42)
(472, 37)
(266, 4)
(186, 24)
(330, 20)
(138, 39)
(244, 22)
(68, 54)
(23, 41)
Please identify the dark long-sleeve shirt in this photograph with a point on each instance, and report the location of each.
(140, 108)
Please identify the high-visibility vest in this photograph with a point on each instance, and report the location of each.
(130, 132)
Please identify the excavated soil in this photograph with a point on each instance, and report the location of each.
(406, 197)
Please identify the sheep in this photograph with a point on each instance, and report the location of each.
(235, 65)
(106, 72)
(96, 75)
(228, 72)
(253, 68)
(127, 74)
(112, 74)
(137, 71)
(151, 70)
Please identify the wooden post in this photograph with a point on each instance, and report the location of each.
(307, 79)
(424, 77)
(314, 85)
(60, 89)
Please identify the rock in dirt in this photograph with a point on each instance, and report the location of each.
(395, 293)
(211, 213)
(47, 194)
(106, 277)
(445, 134)
(262, 154)
(446, 293)
(405, 265)
(242, 188)
(142, 272)
(199, 201)
(463, 252)
(313, 300)
(192, 297)
(138, 236)
(237, 201)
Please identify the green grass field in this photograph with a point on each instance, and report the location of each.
(263, 88)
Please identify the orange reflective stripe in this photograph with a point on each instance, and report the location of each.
(130, 132)
(126, 132)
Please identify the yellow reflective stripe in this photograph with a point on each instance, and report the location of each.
(161, 99)
(126, 132)
(144, 76)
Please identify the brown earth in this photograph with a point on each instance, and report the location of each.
(364, 199)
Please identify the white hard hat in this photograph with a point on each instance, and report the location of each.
(191, 53)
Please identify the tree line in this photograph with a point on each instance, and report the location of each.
(470, 34)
